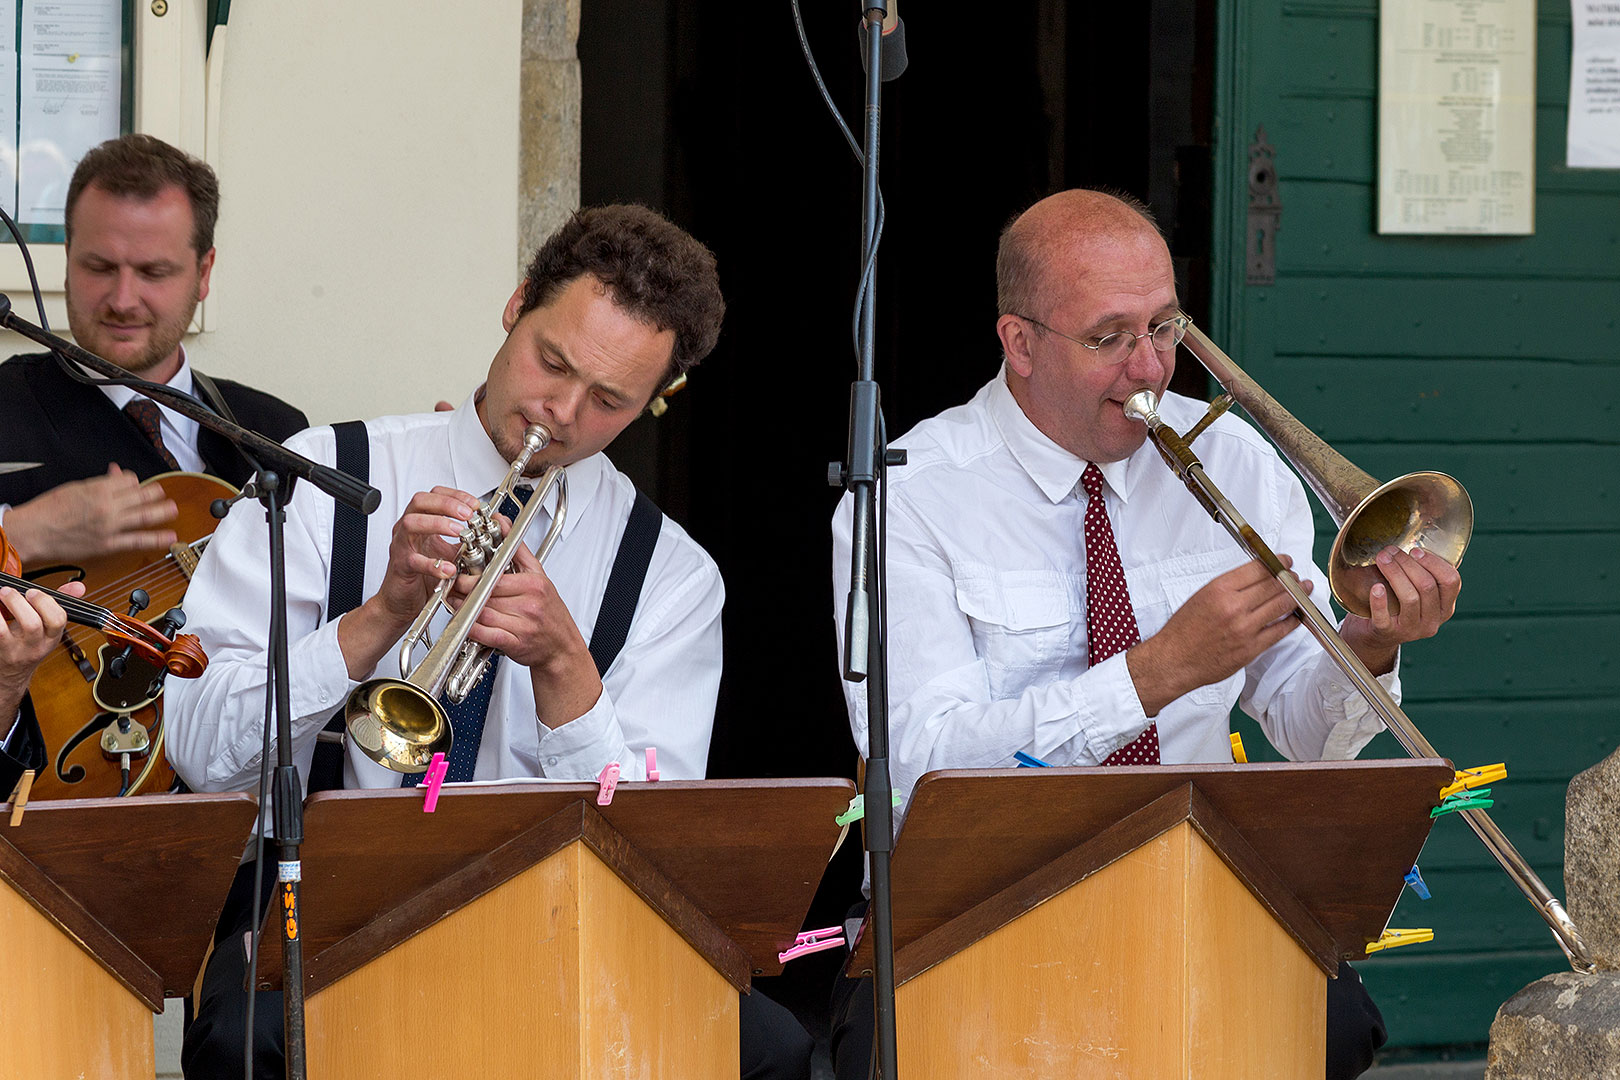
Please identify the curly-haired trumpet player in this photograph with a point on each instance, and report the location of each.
(614, 306)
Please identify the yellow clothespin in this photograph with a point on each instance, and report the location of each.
(1238, 756)
(19, 797)
(1392, 939)
(1473, 778)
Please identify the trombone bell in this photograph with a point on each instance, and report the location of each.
(1427, 510)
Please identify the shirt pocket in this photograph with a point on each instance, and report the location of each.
(1178, 588)
(1022, 626)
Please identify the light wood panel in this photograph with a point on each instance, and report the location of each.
(561, 971)
(1160, 965)
(65, 1015)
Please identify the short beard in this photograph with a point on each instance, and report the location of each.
(165, 337)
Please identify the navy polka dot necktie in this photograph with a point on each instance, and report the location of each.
(1110, 620)
(144, 412)
(467, 718)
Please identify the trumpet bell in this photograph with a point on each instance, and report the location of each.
(1427, 510)
(396, 725)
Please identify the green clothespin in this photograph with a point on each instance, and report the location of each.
(1463, 800)
(857, 810)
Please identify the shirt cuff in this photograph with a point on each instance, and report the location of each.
(1361, 724)
(580, 749)
(11, 729)
(1111, 714)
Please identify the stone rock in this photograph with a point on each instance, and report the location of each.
(548, 157)
(1563, 1027)
(1592, 858)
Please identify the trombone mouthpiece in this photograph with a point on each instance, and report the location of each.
(535, 438)
(1143, 406)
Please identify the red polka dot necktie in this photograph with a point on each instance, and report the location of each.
(144, 411)
(1110, 621)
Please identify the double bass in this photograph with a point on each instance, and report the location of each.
(92, 715)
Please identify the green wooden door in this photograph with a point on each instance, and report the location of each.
(1495, 359)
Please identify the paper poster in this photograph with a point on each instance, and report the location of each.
(1456, 116)
(70, 97)
(1594, 85)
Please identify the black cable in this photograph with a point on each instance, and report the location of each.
(868, 269)
(256, 927)
(28, 261)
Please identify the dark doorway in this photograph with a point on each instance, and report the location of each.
(712, 117)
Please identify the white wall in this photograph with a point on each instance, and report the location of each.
(368, 155)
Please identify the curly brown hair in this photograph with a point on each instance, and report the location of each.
(141, 166)
(652, 268)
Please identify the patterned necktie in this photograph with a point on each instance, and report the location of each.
(144, 412)
(467, 718)
(1110, 621)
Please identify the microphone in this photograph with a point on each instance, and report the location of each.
(894, 61)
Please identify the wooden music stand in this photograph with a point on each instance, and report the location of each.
(525, 930)
(1151, 921)
(106, 907)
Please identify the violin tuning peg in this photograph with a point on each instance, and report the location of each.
(138, 602)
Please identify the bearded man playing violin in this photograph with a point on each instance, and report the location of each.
(139, 225)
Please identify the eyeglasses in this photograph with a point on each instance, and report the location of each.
(1116, 347)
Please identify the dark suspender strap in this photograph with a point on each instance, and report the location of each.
(624, 582)
(211, 395)
(343, 589)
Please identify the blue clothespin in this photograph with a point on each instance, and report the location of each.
(1030, 761)
(1415, 881)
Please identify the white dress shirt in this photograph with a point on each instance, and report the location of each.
(987, 599)
(659, 692)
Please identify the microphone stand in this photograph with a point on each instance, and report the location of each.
(865, 651)
(277, 468)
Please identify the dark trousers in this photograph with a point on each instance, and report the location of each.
(773, 1044)
(1355, 1028)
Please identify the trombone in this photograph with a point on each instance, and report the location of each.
(399, 723)
(1427, 509)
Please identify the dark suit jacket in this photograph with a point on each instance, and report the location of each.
(74, 431)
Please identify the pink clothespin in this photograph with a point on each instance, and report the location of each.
(609, 781)
(813, 941)
(433, 781)
(652, 763)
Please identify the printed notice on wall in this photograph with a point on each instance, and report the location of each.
(1594, 85)
(1456, 116)
(8, 110)
(69, 97)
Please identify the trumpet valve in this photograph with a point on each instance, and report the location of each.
(470, 667)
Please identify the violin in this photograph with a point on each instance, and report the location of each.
(181, 655)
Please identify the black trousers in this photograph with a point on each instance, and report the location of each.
(1355, 1028)
(773, 1044)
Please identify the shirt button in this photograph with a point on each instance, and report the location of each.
(551, 760)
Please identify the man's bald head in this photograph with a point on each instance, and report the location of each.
(1056, 238)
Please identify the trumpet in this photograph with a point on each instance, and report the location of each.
(1428, 510)
(399, 723)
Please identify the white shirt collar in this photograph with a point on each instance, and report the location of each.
(182, 429)
(122, 395)
(1055, 470)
